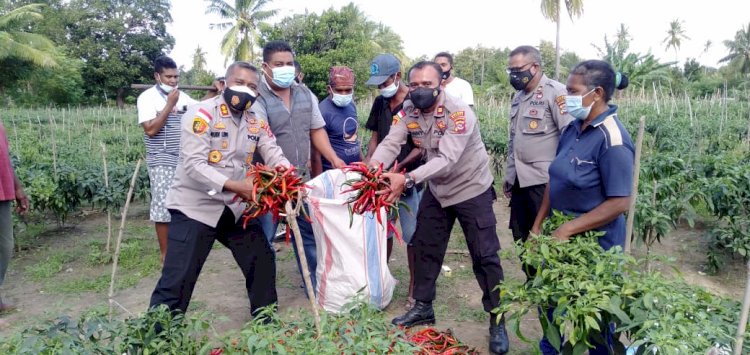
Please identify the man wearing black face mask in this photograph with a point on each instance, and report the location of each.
(535, 126)
(460, 187)
(452, 84)
(218, 139)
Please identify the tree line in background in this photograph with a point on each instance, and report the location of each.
(88, 52)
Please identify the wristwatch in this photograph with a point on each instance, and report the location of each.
(409, 183)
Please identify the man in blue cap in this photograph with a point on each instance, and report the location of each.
(385, 73)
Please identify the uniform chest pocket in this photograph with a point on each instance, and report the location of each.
(250, 143)
(220, 141)
(534, 121)
(585, 173)
(435, 142)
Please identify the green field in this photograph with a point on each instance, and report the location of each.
(695, 171)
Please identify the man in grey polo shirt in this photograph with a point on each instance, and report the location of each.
(292, 112)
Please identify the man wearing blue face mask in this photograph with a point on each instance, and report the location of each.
(340, 115)
(159, 112)
(292, 112)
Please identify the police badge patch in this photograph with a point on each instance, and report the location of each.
(459, 122)
(199, 125)
(214, 156)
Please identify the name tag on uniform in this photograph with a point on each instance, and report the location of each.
(538, 103)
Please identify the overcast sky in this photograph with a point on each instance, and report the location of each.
(428, 27)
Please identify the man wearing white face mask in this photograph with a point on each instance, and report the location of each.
(340, 114)
(292, 112)
(159, 112)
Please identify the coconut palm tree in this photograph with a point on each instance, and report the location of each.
(551, 11)
(384, 40)
(19, 44)
(241, 21)
(675, 36)
(739, 49)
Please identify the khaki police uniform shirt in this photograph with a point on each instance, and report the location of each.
(457, 162)
(535, 126)
(216, 147)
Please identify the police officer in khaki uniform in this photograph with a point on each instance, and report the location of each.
(535, 126)
(219, 137)
(460, 187)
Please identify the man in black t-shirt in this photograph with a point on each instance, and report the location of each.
(385, 73)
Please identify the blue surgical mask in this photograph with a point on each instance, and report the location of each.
(341, 100)
(283, 76)
(389, 90)
(574, 106)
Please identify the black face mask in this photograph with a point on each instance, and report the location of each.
(520, 80)
(424, 98)
(447, 74)
(238, 100)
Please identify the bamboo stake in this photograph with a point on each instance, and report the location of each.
(690, 108)
(636, 176)
(106, 184)
(656, 99)
(54, 146)
(291, 218)
(743, 315)
(116, 257)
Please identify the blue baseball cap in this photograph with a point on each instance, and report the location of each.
(382, 67)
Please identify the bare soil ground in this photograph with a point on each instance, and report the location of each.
(75, 284)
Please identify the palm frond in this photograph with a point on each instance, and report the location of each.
(221, 8)
(26, 13)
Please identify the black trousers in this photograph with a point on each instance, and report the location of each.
(524, 206)
(190, 242)
(434, 225)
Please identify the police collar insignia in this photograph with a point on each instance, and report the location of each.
(224, 110)
(440, 112)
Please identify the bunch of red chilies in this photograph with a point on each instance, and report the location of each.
(434, 342)
(367, 199)
(272, 188)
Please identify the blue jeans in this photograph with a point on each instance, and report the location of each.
(409, 218)
(599, 349)
(308, 241)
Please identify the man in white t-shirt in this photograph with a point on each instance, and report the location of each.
(452, 85)
(159, 111)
